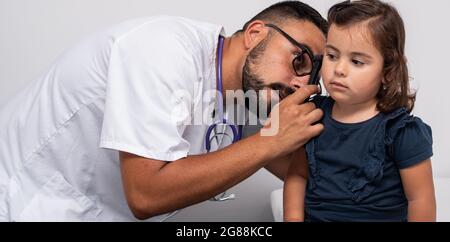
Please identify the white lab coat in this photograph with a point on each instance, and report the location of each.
(60, 137)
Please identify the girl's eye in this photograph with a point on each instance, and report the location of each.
(357, 62)
(331, 57)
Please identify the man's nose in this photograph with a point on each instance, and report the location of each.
(299, 81)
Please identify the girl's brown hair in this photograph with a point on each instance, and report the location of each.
(388, 33)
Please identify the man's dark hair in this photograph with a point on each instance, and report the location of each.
(281, 12)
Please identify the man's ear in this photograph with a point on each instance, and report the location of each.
(255, 33)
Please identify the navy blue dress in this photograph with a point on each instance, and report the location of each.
(354, 168)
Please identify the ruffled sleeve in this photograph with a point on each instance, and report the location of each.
(412, 143)
(404, 138)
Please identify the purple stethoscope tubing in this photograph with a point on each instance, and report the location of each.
(236, 134)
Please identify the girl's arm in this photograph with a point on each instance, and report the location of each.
(294, 188)
(419, 189)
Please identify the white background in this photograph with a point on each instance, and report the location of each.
(33, 33)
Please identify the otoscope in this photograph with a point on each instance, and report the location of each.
(314, 78)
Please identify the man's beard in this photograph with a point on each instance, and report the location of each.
(252, 82)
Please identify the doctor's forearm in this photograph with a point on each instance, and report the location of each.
(197, 178)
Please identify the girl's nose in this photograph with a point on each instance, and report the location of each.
(340, 69)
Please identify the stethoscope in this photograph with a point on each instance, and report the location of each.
(212, 129)
(212, 132)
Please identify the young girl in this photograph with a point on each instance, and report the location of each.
(372, 161)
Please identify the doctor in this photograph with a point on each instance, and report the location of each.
(100, 137)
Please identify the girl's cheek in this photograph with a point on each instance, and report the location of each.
(326, 72)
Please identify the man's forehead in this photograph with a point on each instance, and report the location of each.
(306, 33)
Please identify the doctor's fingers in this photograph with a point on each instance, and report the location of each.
(303, 109)
(314, 130)
(314, 116)
(301, 94)
(294, 111)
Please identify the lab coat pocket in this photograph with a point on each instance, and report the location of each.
(57, 200)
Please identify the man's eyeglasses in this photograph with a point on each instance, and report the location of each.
(304, 63)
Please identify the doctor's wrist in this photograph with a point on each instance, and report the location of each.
(266, 147)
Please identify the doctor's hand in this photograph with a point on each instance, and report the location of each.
(292, 122)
